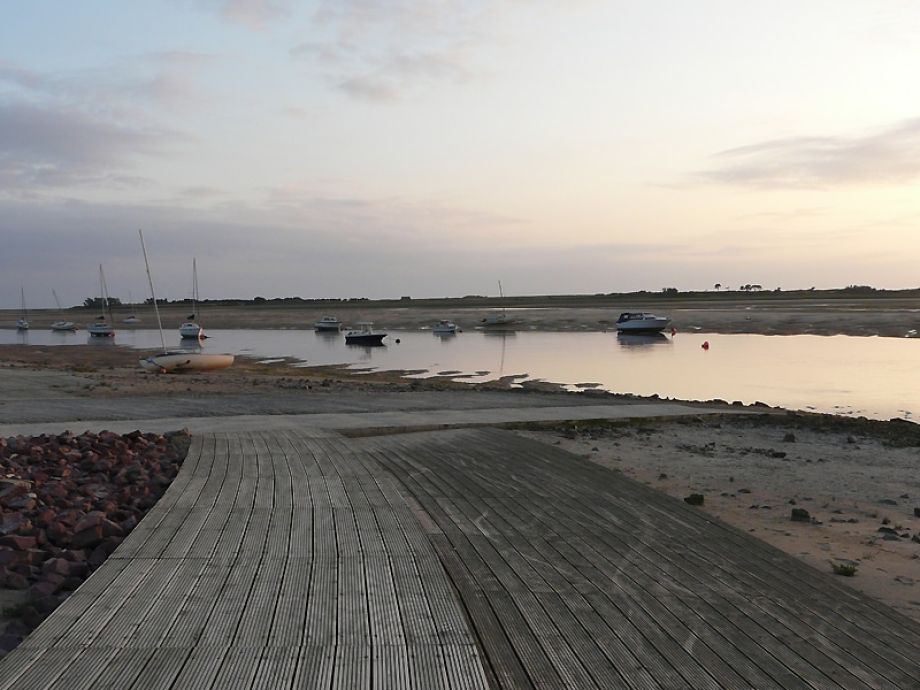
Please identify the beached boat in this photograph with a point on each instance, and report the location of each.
(191, 330)
(22, 323)
(61, 325)
(364, 334)
(641, 322)
(444, 327)
(177, 361)
(328, 323)
(102, 327)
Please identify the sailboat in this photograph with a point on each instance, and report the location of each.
(22, 323)
(190, 329)
(498, 319)
(176, 360)
(132, 317)
(102, 327)
(62, 325)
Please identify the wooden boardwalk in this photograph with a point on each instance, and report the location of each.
(459, 559)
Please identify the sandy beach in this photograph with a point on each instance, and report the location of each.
(855, 478)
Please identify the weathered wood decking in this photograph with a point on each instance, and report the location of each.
(455, 559)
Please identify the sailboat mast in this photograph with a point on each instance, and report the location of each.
(156, 309)
(502, 295)
(22, 296)
(194, 288)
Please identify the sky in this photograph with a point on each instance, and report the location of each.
(361, 148)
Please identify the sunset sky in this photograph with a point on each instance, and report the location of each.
(361, 148)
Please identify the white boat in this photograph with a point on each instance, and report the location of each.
(131, 319)
(444, 327)
(364, 334)
(61, 325)
(22, 323)
(498, 318)
(177, 361)
(328, 323)
(641, 322)
(190, 329)
(101, 327)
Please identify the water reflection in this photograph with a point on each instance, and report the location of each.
(642, 340)
(799, 372)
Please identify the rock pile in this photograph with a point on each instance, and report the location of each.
(66, 503)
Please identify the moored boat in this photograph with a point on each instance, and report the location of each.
(444, 327)
(364, 334)
(328, 323)
(641, 322)
(22, 323)
(61, 325)
(102, 327)
(191, 330)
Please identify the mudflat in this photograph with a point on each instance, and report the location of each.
(770, 313)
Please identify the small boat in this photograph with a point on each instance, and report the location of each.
(641, 322)
(61, 325)
(328, 323)
(190, 330)
(498, 318)
(444, 327)
(177, 361)
(22, 323)
(131, 319)
(101, 327)
(364, 334)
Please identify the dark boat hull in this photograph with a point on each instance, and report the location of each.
(365, 339)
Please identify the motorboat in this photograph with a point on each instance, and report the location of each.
(364, 334)
(102, 327)
(177, 361)
(22, 323)
(61, 325)
(190, 330)
(641, 322)
(131, 319)
(445, 327)
(328, 323)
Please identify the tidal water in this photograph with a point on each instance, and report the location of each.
(875, 377)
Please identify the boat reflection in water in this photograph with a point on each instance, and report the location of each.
(640, 340)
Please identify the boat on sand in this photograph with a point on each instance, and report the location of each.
(177, 361)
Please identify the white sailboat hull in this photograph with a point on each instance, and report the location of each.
(62, 326)
(191, 330)
(100, 330)
(175, 362)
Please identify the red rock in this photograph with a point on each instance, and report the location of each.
(18, 542)
(42, 589)
(87, 538)
(16, 581)
(103, 551)
(59, 566)
(92, 519)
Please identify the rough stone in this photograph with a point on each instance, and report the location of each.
(800, 515)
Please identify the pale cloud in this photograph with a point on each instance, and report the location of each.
(383, 51)
(252, 14)
(890, 156)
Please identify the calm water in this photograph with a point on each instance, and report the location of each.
(875, 377)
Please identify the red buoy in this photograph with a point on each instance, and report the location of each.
(705, 345)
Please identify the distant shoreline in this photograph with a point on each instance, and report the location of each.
(888, 314)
